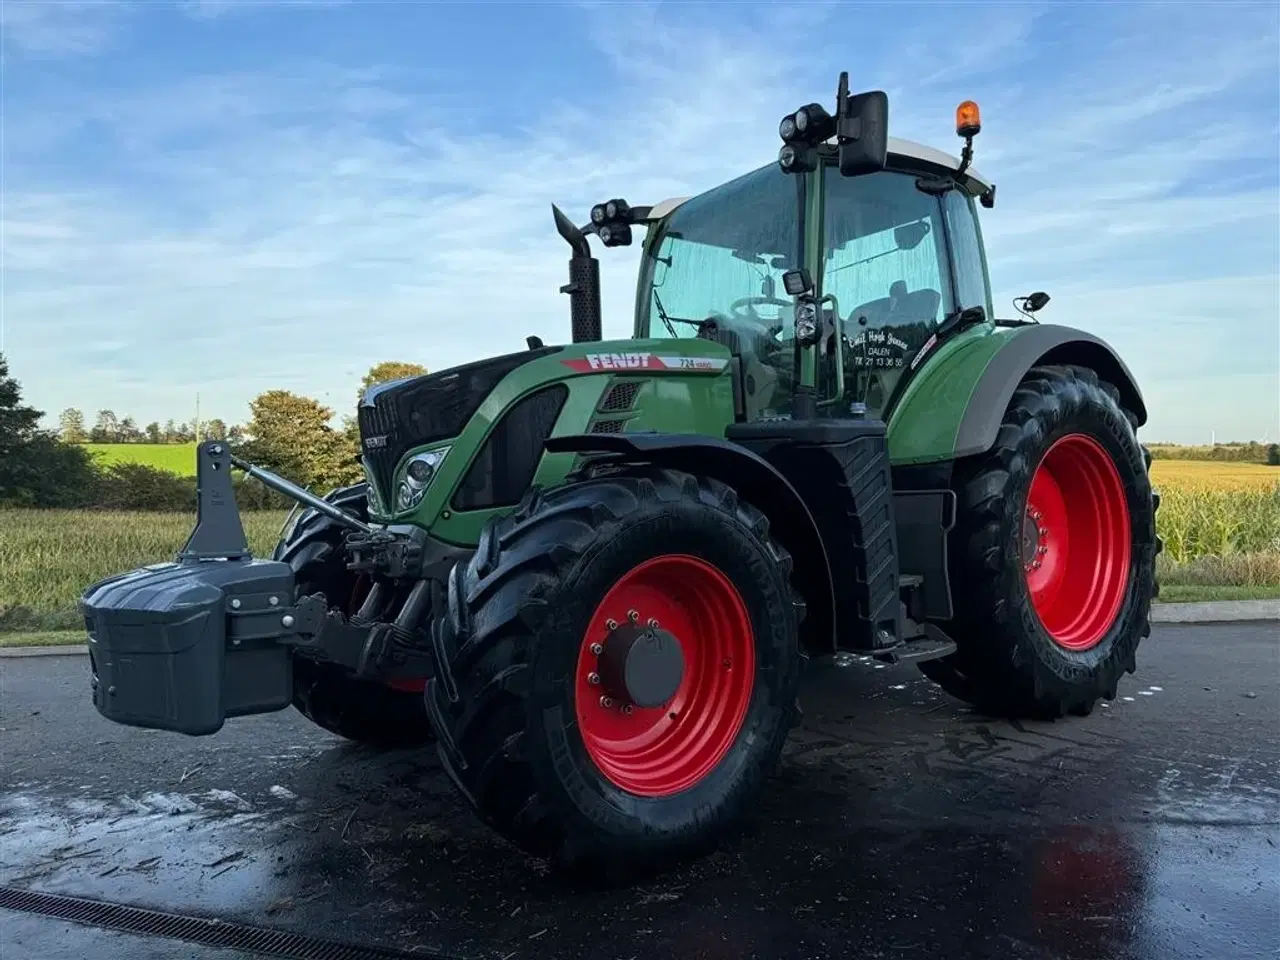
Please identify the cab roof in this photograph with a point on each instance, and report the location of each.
(902, 154)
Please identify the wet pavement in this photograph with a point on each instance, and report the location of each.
(900, 826)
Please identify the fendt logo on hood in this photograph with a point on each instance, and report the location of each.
(618, 361)
(644, 361)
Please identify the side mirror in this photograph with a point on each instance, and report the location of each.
(862, 130)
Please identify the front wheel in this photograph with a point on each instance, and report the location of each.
(617, 671)
(1053, 558)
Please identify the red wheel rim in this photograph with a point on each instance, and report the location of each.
(1075, 542)
(659, 751)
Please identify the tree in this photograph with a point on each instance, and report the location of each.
(214, 429)
(129, 432)
(236, 434)
(170, 433)
(36, 468)
(152, 432)
(106, 429)
(71, 426)
(1273, 455)
(389, 370)
(290, 434)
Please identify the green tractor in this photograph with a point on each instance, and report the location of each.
(592, 573)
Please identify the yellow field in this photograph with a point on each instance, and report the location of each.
(1213, 475)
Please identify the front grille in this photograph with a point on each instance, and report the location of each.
(396, 417)
(505, 465)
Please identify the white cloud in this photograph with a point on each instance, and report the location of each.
(39, 28)
(289, 227)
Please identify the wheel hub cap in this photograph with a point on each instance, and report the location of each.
(641, 666)
(1034, 540)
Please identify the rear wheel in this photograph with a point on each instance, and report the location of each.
(325, 693)
(617, 671)
(1053, 558)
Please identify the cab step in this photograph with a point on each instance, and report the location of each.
(930, 646)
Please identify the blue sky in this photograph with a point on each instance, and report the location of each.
(227, 197)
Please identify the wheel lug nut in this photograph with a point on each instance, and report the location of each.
(597, 649)
(627, 708)
(1042, 549)
(606, 702)
(1035, 564)
(653, 622)
(593, 678)
(611, 624)
(633, 616)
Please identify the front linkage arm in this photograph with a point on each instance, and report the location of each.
(365, 642)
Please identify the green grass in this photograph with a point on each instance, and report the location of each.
(55, 638)
(1196, 593)
(48, 557)
(179, 458)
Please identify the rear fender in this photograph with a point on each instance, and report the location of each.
(954, 406)
(758, 482)
(1032, 346)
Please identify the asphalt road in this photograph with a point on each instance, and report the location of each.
(900, 826)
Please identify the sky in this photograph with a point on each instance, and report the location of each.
(220, 197)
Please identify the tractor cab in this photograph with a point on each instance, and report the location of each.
(873, 242)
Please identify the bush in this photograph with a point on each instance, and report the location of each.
(1237, 452)
(135, 486)
(44, 472)
(1273, 455)
(138, 487)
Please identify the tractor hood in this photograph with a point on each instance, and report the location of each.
(481, 425)
(397, 416)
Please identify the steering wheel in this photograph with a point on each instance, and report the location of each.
(753, 302)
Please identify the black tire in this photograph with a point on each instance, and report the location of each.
(325, 693)
(1007, 664)
(502, 691)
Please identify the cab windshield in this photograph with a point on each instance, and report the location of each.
(716, 270)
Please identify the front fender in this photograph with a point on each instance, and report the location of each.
(760, 483)
(955, 405)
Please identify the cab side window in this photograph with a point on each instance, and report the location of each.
(973, 286)
(885, 260)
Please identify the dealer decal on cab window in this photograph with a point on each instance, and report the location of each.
(644, 361)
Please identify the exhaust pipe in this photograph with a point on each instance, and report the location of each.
(583, 287)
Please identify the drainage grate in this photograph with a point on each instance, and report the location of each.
(211, 933)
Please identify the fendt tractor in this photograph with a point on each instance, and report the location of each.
(591, 573)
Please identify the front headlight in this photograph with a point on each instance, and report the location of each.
(418, 474)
